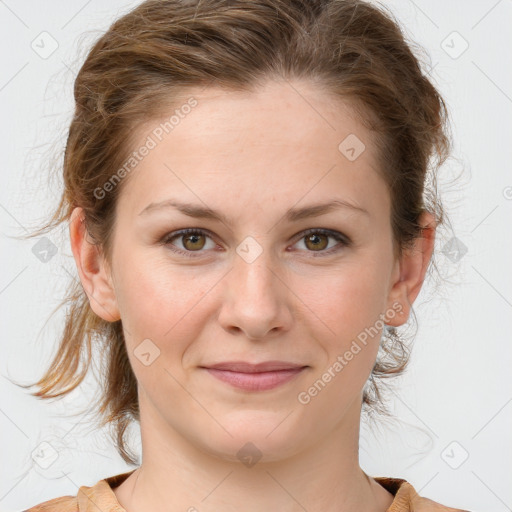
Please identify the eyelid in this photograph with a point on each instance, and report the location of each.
(166, 240)
(342, 239)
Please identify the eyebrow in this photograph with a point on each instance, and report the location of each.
(292, 215)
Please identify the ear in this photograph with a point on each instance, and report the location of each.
(410, 272)
(92, 269)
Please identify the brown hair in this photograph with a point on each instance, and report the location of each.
(352, 49)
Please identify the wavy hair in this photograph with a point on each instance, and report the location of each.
(352, 49)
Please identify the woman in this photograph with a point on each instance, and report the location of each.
(246, 185)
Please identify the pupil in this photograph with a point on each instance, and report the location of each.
(315, 239)
(193, 239)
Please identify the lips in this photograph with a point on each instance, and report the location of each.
(244, 367)
(255, 377)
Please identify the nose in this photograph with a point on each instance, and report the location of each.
(256, 298)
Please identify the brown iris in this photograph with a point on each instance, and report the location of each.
(197, 241)
(314, 239)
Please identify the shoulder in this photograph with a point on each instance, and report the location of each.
(88, 499)
(408, 500)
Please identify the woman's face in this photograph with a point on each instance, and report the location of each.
(254, 287)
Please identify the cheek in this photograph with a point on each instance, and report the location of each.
(153, 300)
(347, 300)
(348, 304)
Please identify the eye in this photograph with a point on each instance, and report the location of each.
(193, 240)
(317, 241)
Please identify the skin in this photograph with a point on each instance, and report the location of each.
(252, 156)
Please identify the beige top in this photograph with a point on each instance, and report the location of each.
(101, 497)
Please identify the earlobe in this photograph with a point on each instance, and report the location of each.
(92, 269)
(411, 270)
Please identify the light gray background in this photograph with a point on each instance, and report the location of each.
(453, 442)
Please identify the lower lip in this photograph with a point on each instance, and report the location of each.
(255, 381)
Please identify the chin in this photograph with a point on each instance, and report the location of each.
(256, 437)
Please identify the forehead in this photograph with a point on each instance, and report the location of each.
(235, 151)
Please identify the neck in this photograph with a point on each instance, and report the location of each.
(176, 475)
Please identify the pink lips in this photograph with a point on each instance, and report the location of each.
(255, 377)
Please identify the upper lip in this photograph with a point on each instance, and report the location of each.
(244, 367)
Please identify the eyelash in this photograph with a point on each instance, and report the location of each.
(339, 237)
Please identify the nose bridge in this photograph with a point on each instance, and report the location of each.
(255, 267)
(256, 298)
